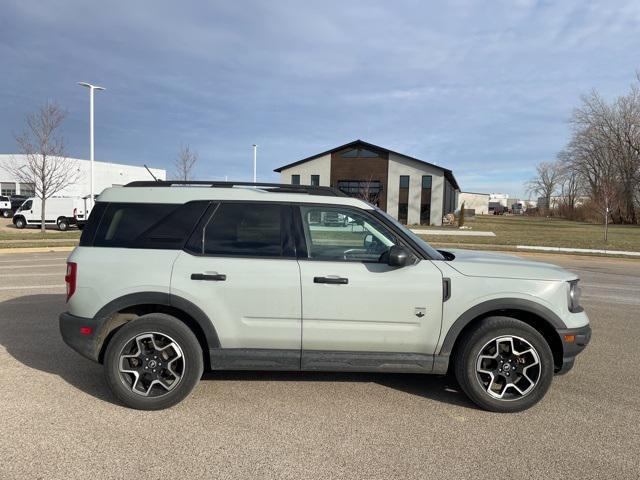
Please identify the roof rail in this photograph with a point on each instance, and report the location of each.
(268, 187)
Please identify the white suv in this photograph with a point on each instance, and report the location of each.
(171, 278)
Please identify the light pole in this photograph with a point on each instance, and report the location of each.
(255, 159)
(91, 89)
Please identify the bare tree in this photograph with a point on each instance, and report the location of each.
(370, 191)
(545, 183)
(185, 162)
(44, 163)
(605, 150)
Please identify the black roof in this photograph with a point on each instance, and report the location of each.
(447, 173)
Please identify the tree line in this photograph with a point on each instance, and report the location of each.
(596, 176)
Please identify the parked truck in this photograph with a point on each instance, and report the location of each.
(59, 212)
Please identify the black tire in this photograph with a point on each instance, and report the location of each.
(163, 325)
(6, 213)
(63, 224)
(477, 340)
(19, 223)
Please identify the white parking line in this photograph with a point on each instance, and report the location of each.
(33, 287)
(33, 266)
(33, 259)
(13, 275)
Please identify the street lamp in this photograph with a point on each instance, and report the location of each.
(91, 89)
(255, 157)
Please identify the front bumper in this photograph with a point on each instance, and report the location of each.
(570, 349)
(83, 343)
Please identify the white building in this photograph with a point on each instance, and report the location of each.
(501, 198)
(475, 201)
(104, 175)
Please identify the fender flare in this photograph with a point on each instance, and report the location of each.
(158, 298)
(497, 305)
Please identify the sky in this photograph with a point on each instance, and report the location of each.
(483, 88)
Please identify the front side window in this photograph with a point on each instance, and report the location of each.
(27, 205)
(242, 229)
(340, 234)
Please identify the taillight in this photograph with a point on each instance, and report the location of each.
(70, 278)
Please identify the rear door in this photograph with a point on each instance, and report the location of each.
(353, 301)
(240, 268)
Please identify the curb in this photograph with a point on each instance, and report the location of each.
(579, 250)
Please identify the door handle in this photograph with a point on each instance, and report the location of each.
(331, 280)
(210, 277)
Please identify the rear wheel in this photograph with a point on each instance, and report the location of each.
(6, 213)
(63, 224)
(153, 362)
(504, 365)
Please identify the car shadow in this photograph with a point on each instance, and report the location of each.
(29, 332)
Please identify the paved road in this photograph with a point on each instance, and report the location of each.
(58, 420)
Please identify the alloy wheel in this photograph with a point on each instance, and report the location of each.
(151, 364)
(508, 367)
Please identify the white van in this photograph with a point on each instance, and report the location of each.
(5, 206)
(61, 212)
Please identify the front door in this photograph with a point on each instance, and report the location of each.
(240, 269)
(354, 302)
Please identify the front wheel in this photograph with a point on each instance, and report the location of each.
(504, 365)
(19, 222)
(153, 362)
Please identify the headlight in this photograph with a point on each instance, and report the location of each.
(574, 296)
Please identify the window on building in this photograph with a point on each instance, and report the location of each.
(403, 199)
(359, 153)
(7, 188)
(449, 204)
(344, 235)
(295, 179)
(315, 180)
(27, 189)
(425, 200)
(368, 190)
(238, 229)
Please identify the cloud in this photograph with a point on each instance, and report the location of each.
(465, 85)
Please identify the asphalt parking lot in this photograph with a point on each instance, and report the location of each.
(58, 420)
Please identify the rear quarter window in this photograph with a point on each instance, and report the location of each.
(142, 225)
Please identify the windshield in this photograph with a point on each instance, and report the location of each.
(432, 252)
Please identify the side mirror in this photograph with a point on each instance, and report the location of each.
(398, 257)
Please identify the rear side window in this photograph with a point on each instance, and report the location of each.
(142, 225)
(244, 229)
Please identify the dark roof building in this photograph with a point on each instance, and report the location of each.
(409, 189)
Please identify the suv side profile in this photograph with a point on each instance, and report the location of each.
(171, 278)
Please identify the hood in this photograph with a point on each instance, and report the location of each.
(474, 263)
